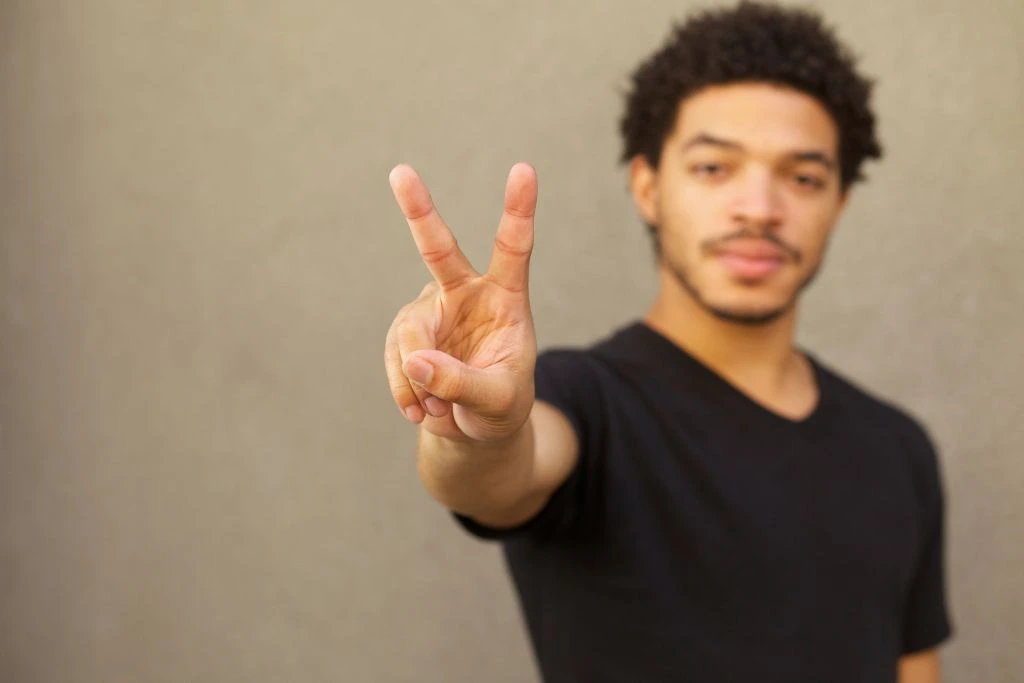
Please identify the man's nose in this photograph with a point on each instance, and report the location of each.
(757, 202)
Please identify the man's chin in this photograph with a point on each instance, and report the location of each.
(747, 317)
(748, 306)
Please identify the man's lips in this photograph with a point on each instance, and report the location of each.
(752, 260)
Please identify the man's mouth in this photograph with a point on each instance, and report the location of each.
(752, 260)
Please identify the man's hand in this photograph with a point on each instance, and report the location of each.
(460, 358)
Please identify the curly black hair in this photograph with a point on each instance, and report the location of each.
(752, 42)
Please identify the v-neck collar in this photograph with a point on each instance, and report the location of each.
(646, 346)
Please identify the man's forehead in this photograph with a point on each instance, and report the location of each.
(757, 116)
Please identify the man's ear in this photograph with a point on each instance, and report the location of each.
(844, 201)
(643, 184)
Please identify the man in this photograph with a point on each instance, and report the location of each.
(692, 498)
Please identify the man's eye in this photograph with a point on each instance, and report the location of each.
(810, 181)
(708, 169)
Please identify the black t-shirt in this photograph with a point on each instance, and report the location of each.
(703, 538)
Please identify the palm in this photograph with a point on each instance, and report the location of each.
(481, 324)
(481, 327)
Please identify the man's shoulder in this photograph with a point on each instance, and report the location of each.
(619, 343)
(868, 406)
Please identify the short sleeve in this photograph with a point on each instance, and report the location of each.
(568, 380)
(927, 621)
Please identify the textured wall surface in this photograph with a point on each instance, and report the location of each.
(203, 476)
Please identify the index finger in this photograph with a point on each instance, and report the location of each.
(435, 242)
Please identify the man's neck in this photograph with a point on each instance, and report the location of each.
(760, 360)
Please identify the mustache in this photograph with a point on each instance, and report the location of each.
(712, 245)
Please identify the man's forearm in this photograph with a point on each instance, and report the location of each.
(478, 479)
(921, 667)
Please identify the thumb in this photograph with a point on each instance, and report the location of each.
(479, 389)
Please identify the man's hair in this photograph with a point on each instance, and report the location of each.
(753, 42)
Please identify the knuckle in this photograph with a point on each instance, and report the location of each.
(519, 212)
(420, 210)
(399, 386)
(392, 358)
(512, 288)
(395, 322)
(393, 329)
(409, 337)
(403, 324)
(393, 367)
(400, 391)
(450, 384)
(509, 249)
(447, 248)
(400, 321)
(414, 332)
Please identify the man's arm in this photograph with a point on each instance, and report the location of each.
(501, 485)
(921, 667)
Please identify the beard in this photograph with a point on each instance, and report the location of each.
(746, 318)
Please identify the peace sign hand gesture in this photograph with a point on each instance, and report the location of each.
(460, 358)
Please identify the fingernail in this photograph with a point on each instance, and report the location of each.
(419, 371)
(414, 413)
(435, 406)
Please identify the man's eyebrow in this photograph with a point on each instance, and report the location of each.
(815, 156)
(812, 155)
(706, 139)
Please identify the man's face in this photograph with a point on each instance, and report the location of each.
(744, 198)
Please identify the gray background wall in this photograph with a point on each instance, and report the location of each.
(203, 478)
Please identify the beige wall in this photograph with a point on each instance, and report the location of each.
(203, 478)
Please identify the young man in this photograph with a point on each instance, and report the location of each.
(692, 498)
